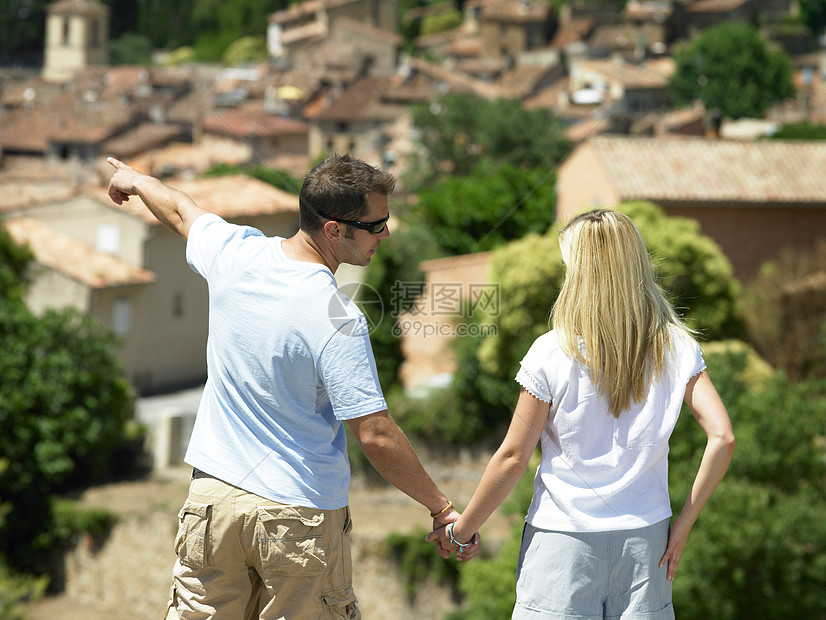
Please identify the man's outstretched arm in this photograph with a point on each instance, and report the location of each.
(173, 208)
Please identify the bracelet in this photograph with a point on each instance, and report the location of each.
(462, 546)
(433, 515)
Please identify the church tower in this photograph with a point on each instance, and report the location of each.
(77, 35)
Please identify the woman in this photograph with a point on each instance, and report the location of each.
(603, 391)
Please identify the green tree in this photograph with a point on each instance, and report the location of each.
(800, 131)
(64, 405)
(15, 266)
(131, 49)
(23, 24)
(785, 313)
(731, 69)
(813, 13)
(458, 131)
(759, 549)
(493, 204)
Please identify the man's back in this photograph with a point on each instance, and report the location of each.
(282, 374)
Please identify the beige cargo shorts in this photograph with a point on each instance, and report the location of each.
(241, 556)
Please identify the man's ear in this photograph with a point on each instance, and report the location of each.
(332, 232)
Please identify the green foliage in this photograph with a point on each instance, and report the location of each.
(800, 131)
(64, 406)
(70, 520)
(23, 24)
(211, 46)
(419, 561)
(813, 13)
(16, 590)
(130, 49)
(493, 204)
(179, 56)
(458, 131)
(731, 69)
(244, 50)
(785, 309)
(488, 585)
(15, 266)
(759, 548)
(441, 22)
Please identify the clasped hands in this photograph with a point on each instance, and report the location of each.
(447, 543)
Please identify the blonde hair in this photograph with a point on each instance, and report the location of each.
(612, 302)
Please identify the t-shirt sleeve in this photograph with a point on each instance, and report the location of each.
(699, 362)
(532, 374)
(212, 242)
(348, 372)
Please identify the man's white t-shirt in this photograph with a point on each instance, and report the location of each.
(288, 358)
(599, 472)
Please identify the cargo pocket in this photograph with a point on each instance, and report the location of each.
(340, 603)
(290, 540)
(192, 540)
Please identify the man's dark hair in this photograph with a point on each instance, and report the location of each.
(338, 187)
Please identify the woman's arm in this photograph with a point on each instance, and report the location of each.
(504, 469)
(705, 404)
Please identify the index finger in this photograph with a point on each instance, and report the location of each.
(116, 163)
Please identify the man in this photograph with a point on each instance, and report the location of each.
(264, 532)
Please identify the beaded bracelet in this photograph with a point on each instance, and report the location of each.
(462, 546)
(434, 515)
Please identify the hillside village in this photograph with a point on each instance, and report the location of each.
(339, 79)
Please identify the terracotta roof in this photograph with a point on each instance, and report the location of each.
(74, 259)
(714, 6)
(63, 119)
(369, 31)
(516, 11)
(573, 31)
(700, 170)
(306, 8)
(522, 81)
(458, 82)
(630, 75)
(78, 7)
(360, 101)
(252, 122)
(231, 196)
(142, 138)
(21, 194)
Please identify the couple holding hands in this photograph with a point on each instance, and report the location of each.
(264, 532)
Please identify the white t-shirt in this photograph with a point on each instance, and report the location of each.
(599, 472)
(288, 358)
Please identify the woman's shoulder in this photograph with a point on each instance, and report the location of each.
(546, 346)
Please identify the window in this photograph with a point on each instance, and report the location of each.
(67, 27)
(108, 238)
(122, 316)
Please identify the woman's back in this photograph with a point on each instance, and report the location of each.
(598, 471)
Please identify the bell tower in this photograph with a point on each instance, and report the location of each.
(77, 35)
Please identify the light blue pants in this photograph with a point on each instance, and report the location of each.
(593, 575)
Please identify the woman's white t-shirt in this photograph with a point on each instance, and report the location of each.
(599, 472)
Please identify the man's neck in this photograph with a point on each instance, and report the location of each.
(302, 247)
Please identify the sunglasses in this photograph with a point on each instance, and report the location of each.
(374, 228)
